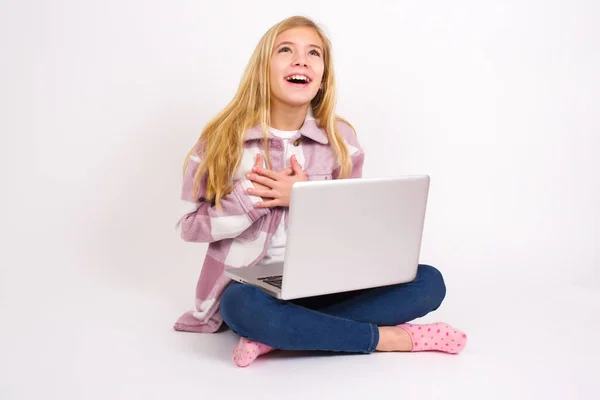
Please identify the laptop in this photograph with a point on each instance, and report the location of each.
(345, 235)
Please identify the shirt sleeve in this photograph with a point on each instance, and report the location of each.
(203, 222)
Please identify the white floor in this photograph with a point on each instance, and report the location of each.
(91, 337)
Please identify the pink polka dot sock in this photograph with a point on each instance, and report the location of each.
(246, 352)
(436, 337)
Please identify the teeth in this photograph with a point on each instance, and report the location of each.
(298, 77)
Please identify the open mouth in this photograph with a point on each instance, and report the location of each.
(298, 79)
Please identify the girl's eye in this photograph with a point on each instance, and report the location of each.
(284, 49)
(315, 53)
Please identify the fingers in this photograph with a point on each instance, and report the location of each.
(264, 193)
(263, 180)
(258, 162)
(268, 204)
(258, 168)
(298, 171)
(258, 186)
(265, 172)
(296, 167)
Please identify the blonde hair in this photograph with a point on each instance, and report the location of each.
(222, 140)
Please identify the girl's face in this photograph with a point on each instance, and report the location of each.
(296, 66)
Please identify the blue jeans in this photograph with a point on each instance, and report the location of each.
(341, 322)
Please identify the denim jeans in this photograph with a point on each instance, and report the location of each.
(341, 322)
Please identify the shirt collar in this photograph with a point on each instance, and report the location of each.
(309, 129)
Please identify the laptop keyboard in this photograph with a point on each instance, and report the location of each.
(274, 280)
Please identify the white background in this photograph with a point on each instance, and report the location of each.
(100, 101)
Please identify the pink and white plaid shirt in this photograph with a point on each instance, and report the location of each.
(239, 234)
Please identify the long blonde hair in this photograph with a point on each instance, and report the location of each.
(222, 140)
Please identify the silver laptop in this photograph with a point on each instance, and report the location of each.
(346, 235)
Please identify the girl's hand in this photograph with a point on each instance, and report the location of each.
(257, 186)
(275, 188)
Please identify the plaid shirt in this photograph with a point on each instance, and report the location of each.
(239, 235)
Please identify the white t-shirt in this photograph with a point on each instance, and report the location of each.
(276, 250)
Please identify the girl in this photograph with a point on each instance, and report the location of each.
(280, 129)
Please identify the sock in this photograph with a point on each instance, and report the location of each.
(435, 337)
(247, 351)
